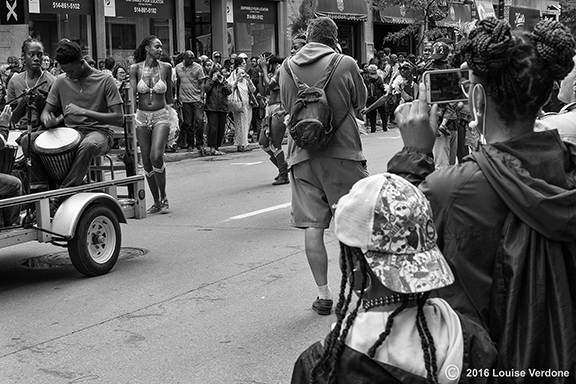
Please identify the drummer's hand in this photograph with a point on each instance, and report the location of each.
(73, 109)
(6, 116)
(52, 121)
(413, 119)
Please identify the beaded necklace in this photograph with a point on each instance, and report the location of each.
(35, 84)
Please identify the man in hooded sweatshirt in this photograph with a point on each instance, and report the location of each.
(321, 177)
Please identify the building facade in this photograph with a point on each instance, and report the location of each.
(115, 27)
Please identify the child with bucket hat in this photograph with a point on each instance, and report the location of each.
(394, 333)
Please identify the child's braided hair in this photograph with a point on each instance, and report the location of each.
(518, 68)
(327, 366)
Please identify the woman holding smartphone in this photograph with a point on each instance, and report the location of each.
(241, 83)
(151, 83)
(216, 107)
(505, 216)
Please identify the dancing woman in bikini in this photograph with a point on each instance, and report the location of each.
(150, 81)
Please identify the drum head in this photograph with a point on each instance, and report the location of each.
(57, 140)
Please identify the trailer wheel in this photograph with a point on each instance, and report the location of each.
(95, 247)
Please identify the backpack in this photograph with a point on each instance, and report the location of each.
(310, 123)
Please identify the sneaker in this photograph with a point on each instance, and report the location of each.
(322, 307)
(281, 181)
(155, 208)
(164, 206)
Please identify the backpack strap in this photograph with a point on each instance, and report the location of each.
(329, 71)
(330, 68)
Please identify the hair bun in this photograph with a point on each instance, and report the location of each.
(555, 45)
(486, 50)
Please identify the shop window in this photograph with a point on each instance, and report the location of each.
(123, 36)
(50, 28)
(255, 27)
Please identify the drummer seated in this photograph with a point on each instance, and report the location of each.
(90, 103)
(10, 186)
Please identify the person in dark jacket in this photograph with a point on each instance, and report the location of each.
(216, 107)
(376, 90)
(505, 216)
(390, 260)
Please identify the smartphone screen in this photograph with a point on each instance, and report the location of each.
(443, 85)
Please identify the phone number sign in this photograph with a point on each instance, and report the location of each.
(72, 7)
(258, 12)
(157, 9)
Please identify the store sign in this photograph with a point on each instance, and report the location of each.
(12, 12)
(157, 9)
(109, 8)
(258, 12)
(485, 9)
(71, 7)
(523, 18)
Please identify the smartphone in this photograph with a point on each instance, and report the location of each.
(443, 85)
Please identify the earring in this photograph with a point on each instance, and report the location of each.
(357, 286)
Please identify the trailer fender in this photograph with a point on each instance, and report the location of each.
(70, 211)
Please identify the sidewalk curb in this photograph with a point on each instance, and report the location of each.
(171, 157)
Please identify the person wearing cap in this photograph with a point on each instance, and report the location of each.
(320, 178)
(388, 329)
(217, 58)
(505, 216)
(190, 79)
(404, 85)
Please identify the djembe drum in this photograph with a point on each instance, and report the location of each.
(12, 137)
(57, 150)
(7, 158)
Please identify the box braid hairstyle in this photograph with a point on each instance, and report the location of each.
(518, 68)
(334, 346)
(140, 51)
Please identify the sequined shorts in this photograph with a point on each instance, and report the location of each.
(150, 119)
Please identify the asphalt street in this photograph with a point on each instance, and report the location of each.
(216, 291)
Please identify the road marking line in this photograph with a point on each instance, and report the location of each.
(255, 163)
(258, 212)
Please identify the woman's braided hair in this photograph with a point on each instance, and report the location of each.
(518, 68)
(140, 51)
(334, 346)
(29, 41)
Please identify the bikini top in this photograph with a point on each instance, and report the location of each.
(159, 87)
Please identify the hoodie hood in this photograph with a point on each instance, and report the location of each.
(534, 175)
(311, 53)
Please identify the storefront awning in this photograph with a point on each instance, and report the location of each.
(353, 10)
(396, 15)
(457, 15)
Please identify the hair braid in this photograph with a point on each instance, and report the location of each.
(352, 254)
(428, 346)
(488, 46)
(555, 45)
(140, 51)
(517, 69)
(27, 42)
(389, 323)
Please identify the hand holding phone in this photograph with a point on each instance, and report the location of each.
(417, 129)
(445, 85)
